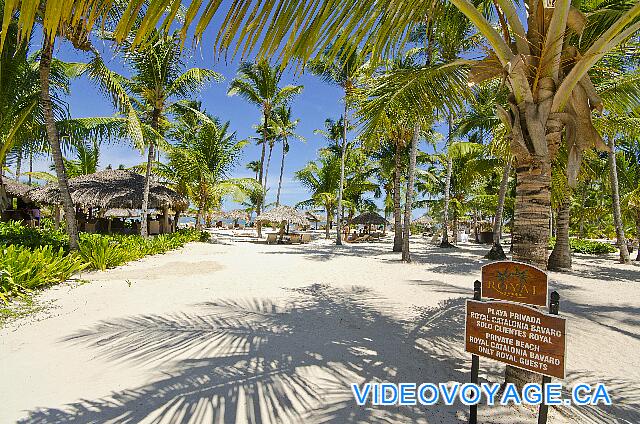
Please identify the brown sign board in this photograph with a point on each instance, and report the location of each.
(515, 282)
(516, 335)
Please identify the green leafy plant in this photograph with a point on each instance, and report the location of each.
(23, 269)
(591, 247)
(102, 252)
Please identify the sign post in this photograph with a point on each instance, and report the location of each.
(509, 327)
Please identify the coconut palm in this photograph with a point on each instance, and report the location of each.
(284, 129)
(322, 178)
(546, 67)
(159, 81)
(201, 160)
(258, 83)
(344, 69)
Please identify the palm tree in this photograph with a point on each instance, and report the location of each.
(253, 166)
(159, 82)
(343, 69)
(258, 83)
(202, 159)
(284, 130)
(322, 178)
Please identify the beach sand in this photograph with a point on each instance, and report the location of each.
(240, 332)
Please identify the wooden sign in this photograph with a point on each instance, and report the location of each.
(516, 335)
(515, 282)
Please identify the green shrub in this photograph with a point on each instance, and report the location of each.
(23, 269)
(102, 252)
(591, 247)
(16, 234)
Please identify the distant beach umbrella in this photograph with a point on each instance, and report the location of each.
(284, 213)
(367, 218)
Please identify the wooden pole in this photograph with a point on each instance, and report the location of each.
(554, 307)
(475, 359)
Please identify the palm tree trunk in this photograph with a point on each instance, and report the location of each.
(397, 217)
(264, 147)
(30, 165)
(447, 189)
(46, 56)
(560, 258)
(341, 188)
(144, 214)
(19, 163)
(406, 256)
(615, 198)
(284, 143)
(638, 235)
(327, 234)
(266, 171)
(530, 236)
(4, 200)
(496, 252)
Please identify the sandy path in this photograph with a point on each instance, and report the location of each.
(243, 332)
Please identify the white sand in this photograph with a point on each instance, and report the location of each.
(244, 332)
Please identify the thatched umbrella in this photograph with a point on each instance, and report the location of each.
(121, 213)
(283, 215)
(368, 219)
(237, 214)
(312, 217)
(111, 189)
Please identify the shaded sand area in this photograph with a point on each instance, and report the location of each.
(239, 332)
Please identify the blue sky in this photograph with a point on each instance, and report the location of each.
(318, 101)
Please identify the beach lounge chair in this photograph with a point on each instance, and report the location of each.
(272, 238)
(295, 239)
(306, 238)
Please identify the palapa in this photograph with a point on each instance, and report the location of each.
(121, 213)
(283, 213)
(14, 188)
(369, 218)
(112, 188)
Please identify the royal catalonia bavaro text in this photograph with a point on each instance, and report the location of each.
(385, 394)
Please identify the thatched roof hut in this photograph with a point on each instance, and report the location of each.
(112, 188)
(369, 218)
(283, 213)
(16, 189)
(236, 214)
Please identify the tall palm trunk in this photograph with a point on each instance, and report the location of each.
(447, 189)
(343, 152)
(261, 174)
(266, 170)
(397, 216)
(496, 252)
(560, 258)
(46, 56)
(638, 235)
(615, 199)
(406, 256)
(284, 152)
(19, 163)
(144, 214)
(4, 200)
(30, 165)
(530, 236)
(327, 227)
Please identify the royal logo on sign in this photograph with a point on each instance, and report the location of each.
(515, 282)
